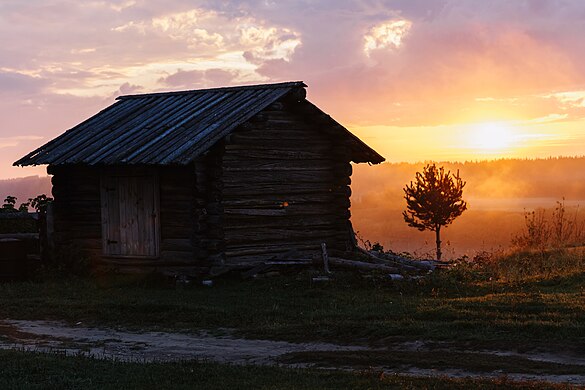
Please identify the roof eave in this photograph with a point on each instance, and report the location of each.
(361, 152)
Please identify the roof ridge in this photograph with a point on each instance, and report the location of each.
(287, 84)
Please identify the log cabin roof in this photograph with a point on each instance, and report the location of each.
(174, 128)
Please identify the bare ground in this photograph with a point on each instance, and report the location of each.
(221, 346)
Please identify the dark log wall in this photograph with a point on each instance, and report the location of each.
(77, 217)
(177, 207)
(285, 188)
(77, 211)
(208, 209)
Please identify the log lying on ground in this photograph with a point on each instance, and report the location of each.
(353, 264)
(318, 262)
(402, 262)
(395, 266)
(402, 266)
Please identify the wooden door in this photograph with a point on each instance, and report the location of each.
(130, 216)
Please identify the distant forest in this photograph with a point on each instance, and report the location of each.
(25, 187)
(505, 178)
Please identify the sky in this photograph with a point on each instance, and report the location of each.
(415, 79)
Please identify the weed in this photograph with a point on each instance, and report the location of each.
(557, 228)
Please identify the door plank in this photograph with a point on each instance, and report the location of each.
(110, 216)
(130, 215)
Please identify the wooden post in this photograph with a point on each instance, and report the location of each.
(50, 229)
(325, 258)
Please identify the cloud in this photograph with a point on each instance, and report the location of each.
(387, 34)
(18, 83)
(186, 27)
(569, 99)
(128, 88)
(214, 32)
(94, 47)
(451, 55)
(116, 5)
(194, 79)
(182, 78)
(125, 89)
(268, 43)
(220, 77)
(83, 51)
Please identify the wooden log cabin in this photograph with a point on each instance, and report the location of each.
(190, 180)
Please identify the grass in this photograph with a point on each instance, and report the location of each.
(46, 371)
(520, 301)
(448, 306)
(433, 359)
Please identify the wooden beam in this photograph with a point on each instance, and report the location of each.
(325, 257)
(360, 265)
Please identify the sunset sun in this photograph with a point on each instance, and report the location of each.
(492, 137)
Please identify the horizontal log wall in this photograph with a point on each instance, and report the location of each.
(176, 215)
(77, 217)
(77, 211)
(285, 188)
(208, 212)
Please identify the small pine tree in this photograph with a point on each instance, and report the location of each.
(434, 200)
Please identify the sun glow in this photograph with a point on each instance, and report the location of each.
(492, 137)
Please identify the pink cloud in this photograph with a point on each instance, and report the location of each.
(193, 79)
(455, 52)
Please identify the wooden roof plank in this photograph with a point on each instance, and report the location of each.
(175, 127)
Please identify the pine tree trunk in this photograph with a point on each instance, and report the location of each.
(438, 236)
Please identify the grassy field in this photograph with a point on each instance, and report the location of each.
(293, 309)
(44, 371)
(520, 301)
(465, 304)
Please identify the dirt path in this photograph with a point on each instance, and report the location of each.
(45, 336)
(148, 346)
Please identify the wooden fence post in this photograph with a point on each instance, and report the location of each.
(325, 258)
(50, 230)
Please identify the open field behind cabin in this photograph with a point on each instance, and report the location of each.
(498, 193)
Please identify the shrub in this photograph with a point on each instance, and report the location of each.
(545, 229)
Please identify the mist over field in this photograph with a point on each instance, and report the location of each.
(498, 192)
(24, 188)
